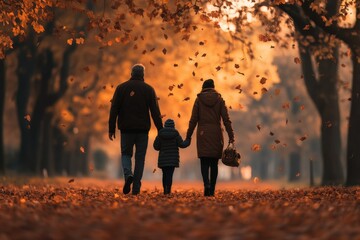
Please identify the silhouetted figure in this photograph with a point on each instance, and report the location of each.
(167, 143)
(130, 105)
(209, 108)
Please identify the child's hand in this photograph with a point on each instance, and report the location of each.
(187, 142)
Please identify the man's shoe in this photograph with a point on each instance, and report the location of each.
(127, 185)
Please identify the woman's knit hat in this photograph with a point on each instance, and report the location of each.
(169, 123)
(208, 84)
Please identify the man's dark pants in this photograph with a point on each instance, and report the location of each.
(128, 141)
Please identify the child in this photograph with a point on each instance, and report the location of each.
(168, 142)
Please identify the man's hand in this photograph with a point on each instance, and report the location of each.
(111, 136)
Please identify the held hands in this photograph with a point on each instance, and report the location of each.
(187, 142)
(111, 136)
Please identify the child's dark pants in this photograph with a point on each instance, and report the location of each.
(167, 178)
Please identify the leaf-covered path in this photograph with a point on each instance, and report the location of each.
(69, 211)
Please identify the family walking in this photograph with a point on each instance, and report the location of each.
(131, 106)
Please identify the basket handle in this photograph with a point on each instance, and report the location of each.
(232, 145)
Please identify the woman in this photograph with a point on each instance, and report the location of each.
(209, 108)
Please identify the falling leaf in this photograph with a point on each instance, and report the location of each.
(164, 51)
(303, 138)
(277, 141)
(154, 170)
(271, 133)
(70, 41)
(193, 73)
(82, 149)
(297, 60)
(296, 99)
(307, 27)
(196, 64)
(180, 85)
(196, 53)
(256, 147)
(27, 117)
(286, 105)
(186, 99)
(71, 180)
(263, 80)
(258, 127)
(79, 40)
(179, 116)
(204, 55)
(328, 124)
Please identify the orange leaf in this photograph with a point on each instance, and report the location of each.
(256, 147)
(27, 117)
(263, 80)
(82, 149)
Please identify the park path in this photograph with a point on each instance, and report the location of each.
(93, 209)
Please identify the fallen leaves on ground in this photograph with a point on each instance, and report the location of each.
(63, 211)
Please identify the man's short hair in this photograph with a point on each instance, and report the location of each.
(138, 70)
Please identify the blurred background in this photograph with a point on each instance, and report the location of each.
(59, 85)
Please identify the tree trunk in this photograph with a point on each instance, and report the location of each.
(25, 72)
(47, 159)
(353, 146)
(324, 94)
(294, 166)
(85, 158)
(2, 103)
(330, 118)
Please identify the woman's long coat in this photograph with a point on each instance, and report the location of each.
(209, 108)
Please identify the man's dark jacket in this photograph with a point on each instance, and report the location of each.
(131, 103)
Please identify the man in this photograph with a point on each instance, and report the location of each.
(130, 104)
